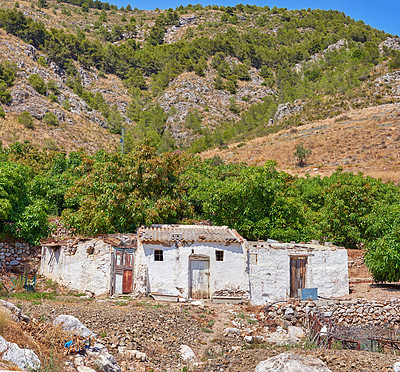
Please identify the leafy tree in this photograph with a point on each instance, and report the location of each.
(301, 154)
(122, 192)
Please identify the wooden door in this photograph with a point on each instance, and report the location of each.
(297, 274)
(200, 279)
(123, 271)
(127, 281)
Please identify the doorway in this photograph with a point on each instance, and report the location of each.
(297, 274)
(199, 282)
(123, 271)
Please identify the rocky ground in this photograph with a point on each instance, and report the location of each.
(146, 335)
(223, 337)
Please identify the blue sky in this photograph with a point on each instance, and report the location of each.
(383, 15)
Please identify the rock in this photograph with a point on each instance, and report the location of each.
(248, 339)
(296, 332)
(286, 109)
(16, 312)
(85, 369)
(187, 353)
(99, 355)
(70, 323)
(132, 354)
(288, 362)
(25, 359)
(396, 367)
(231, 331)
(196, 303)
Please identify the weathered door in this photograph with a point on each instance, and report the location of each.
(297, 274)
(123, 271)
(200, 278)
(127, 279)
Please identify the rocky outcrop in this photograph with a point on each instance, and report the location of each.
(189, 92)
(342, 43)
(391, 43)
(391, 79)
(287, 109)
(289, 362)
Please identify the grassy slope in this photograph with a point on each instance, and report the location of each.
(364, 140)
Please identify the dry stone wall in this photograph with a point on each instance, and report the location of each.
(15, 255)
(352, 312)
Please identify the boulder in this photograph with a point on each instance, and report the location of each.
(16, 312)
(70, 323)
(231, 331)
(187, 353)
(396, 367)
(25, 359)
(288, 362)
(99, 355)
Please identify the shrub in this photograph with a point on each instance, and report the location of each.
(50, 119)
(50, 144)
(66, 105)
(2, 113)
(42, 61)
(38, 83)
(5, 95)
(26, 120)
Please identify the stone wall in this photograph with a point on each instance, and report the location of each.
(341, 312)
(17, 255)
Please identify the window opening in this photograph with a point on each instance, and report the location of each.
(219, 255)
(158, 255)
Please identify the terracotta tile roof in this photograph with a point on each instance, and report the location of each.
(189, 233)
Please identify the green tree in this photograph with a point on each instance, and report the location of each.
(122, 192)
(301, 154)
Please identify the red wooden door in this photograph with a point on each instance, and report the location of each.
(127, 281)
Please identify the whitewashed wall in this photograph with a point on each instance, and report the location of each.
(326, 270)
(80, 271)
(172, 275)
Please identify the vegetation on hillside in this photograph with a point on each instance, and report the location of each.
(108, 193)
(281, 48)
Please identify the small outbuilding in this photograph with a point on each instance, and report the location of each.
(103, 265)
(195, 261)
(278, 271)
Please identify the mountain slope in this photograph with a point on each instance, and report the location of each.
(193, 78)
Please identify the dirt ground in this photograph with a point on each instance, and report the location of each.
(160, 328)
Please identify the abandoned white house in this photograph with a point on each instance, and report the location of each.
(195, 261)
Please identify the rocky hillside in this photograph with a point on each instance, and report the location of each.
(194, 77)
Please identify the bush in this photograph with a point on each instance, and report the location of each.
(5, 95)
(26, 120)
(42, 61)
(2, 113)
(66, 105)
(50, 119)
(38, 84)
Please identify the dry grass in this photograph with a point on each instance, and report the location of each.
(368, 142)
